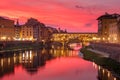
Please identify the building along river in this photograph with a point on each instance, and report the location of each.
(54, 64)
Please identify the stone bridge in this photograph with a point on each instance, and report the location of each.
(66, 38)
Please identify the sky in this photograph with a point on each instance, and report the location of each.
(73, 15)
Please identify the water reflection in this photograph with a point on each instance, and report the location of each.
(30, 60)
(59, 64)
(105, 74)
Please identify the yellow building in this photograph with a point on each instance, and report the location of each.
(6, 29)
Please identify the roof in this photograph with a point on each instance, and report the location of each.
(109, 16)
(5, 18)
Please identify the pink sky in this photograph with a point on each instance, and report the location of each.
(73, 15)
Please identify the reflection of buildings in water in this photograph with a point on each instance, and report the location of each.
(30, 60)
(104, 74)
(73, 53)
(63, 53)
(6, 66)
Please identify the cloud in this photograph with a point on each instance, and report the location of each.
(78, 6)
(88, 25)
(74, 15)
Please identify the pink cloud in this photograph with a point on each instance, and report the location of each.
(72, 15)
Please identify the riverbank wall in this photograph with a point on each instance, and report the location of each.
(113, 50)
(105, 62)
(8, 46)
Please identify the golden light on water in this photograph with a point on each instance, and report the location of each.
(8, 61)
(14, 59)
(99, 67)
(103, 71)
(108, 74)
(94, 65)
(115, 79)
(2, 62)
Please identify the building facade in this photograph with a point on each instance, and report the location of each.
(32, 30)
(46, 33)
(113, 33)
(6, 29)
(35, 24)
(26, 33)
(103, 24)
(38, 29)
(17, 30)
(40, 32)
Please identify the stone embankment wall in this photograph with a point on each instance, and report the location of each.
(14, 45)
(112, 49)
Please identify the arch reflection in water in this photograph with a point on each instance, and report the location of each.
(105, 74)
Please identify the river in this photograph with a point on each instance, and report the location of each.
(54, 64)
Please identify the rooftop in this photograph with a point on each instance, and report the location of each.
(109, 16)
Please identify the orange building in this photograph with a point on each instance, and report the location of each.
(6, 29)
(26, 33)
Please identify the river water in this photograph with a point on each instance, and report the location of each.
(54, 64)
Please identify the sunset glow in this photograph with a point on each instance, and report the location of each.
(73, 15)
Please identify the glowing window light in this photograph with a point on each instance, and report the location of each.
(103, 71)
(23, 55)
(108, 74)
(27, 54)
(115, 79)
(2, 62)
(8, 61)
(103, 38)
(3, 38)
(94, 38)
(23, 39)
(30, 52)
(30, 39)
(30, 55)
(115, 38)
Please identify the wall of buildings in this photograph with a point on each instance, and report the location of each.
(32, 30)
(6, 29)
